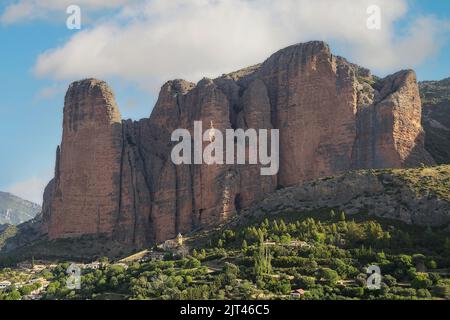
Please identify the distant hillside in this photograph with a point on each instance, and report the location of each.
(435, 97)
(14, 210)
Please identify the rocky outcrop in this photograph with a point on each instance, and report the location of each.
(85, 188)
(415, 196)
(436, 118)
(116, 178)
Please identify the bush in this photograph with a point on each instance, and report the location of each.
(442, 291)
(389, 280)
(305, 282)
(423, 293)
(328, 275)
(421, 281)
(354, 292)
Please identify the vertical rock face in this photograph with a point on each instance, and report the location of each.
(313, 105)
(88, 165)
(116, 177)
(389, 133)
(436, 118)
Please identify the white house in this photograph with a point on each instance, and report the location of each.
(5, 284)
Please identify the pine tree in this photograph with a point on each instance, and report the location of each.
(342, 216)
(283, 227)
(262, 261)
(275, 226)
(332, 214)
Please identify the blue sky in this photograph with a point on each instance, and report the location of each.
(144, 43)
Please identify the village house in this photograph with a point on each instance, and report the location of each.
(172, 244)
(155, 255)
(5, 284)
(93, 265)
(39, 267)
(25, 265)
(298, 293)
(298, 243)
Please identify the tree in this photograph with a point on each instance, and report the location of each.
(423, 293)
(332, 214)
(231, 272)
(374, 232)
(283, 227)
(421, 281)
(305, 282)
(418, 259)
(390, 280)
(447, 246)
(203, 254)
(429, 236)
(328, 275)
(262, 261)
(431, 264)
(442, 290)
(13, 295)
(193, 263)
(342, 216)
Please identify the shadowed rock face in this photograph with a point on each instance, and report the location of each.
(436, 118)
(116, 177)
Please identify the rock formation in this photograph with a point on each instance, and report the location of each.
(415, 196)
(115, 177)
(436, 118)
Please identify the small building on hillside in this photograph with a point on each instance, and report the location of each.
(93, 265)
(5, 284)
(298, 293)
(299, 244)
(155, 255)
(25, 265)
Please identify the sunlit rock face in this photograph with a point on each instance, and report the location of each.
(115, 177)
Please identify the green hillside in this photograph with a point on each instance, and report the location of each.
(292, 243)
(324, 253)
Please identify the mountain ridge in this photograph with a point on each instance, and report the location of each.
(15, 210)
(114, 178)
(333, 116)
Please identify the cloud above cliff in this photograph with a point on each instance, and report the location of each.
(148, 42)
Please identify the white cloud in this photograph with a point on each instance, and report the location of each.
(152, 41)
(31, 189)
(26, 10)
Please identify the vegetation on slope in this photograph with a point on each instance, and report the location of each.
(325, 253)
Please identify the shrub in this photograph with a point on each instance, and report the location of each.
(421, 281)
